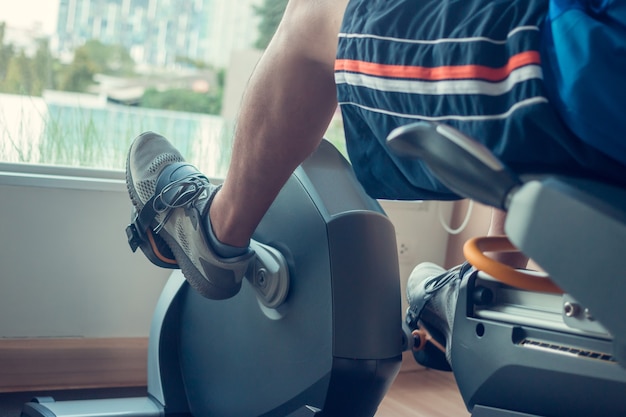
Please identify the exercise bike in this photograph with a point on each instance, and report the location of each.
(331, 345)
(316, 329)
(523, 344)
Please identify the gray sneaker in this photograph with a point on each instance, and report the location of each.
(432, 293)
(171, 199)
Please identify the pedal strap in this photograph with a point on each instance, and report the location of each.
(143, 232)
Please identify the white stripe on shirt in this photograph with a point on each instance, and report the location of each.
(442, 40)
(487, 117)
(470, 86)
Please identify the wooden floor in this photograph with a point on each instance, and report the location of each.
(423, 393)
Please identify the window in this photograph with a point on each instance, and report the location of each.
(79, 79)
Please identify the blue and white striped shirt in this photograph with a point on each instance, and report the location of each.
(473, 64)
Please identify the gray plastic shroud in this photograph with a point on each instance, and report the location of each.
(576, 231)
(520, 364)
(335, 344)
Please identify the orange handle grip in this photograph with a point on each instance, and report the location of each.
(474, 252)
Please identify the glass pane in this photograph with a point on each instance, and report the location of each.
(80, 78)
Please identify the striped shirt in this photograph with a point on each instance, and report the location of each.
(473, 64)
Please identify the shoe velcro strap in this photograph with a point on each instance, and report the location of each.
(144, 219)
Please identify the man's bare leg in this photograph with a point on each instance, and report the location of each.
(288, 105)
(496, 228)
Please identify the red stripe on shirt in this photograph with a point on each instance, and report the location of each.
(440, 73)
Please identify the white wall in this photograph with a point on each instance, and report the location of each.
(419, 234)
(65, 267)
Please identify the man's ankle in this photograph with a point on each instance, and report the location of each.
(223, 249)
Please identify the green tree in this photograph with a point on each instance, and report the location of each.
(7, 51)
(19, 78)
(22, 74)
(181, 100)
(79, 74)
(43, 66)
(270, 13)
(108, 59)
(94, 57)
(104, 59)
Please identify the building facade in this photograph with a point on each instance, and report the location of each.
(159, 32)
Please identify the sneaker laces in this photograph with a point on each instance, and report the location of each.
(434, 284)
(188, 190)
